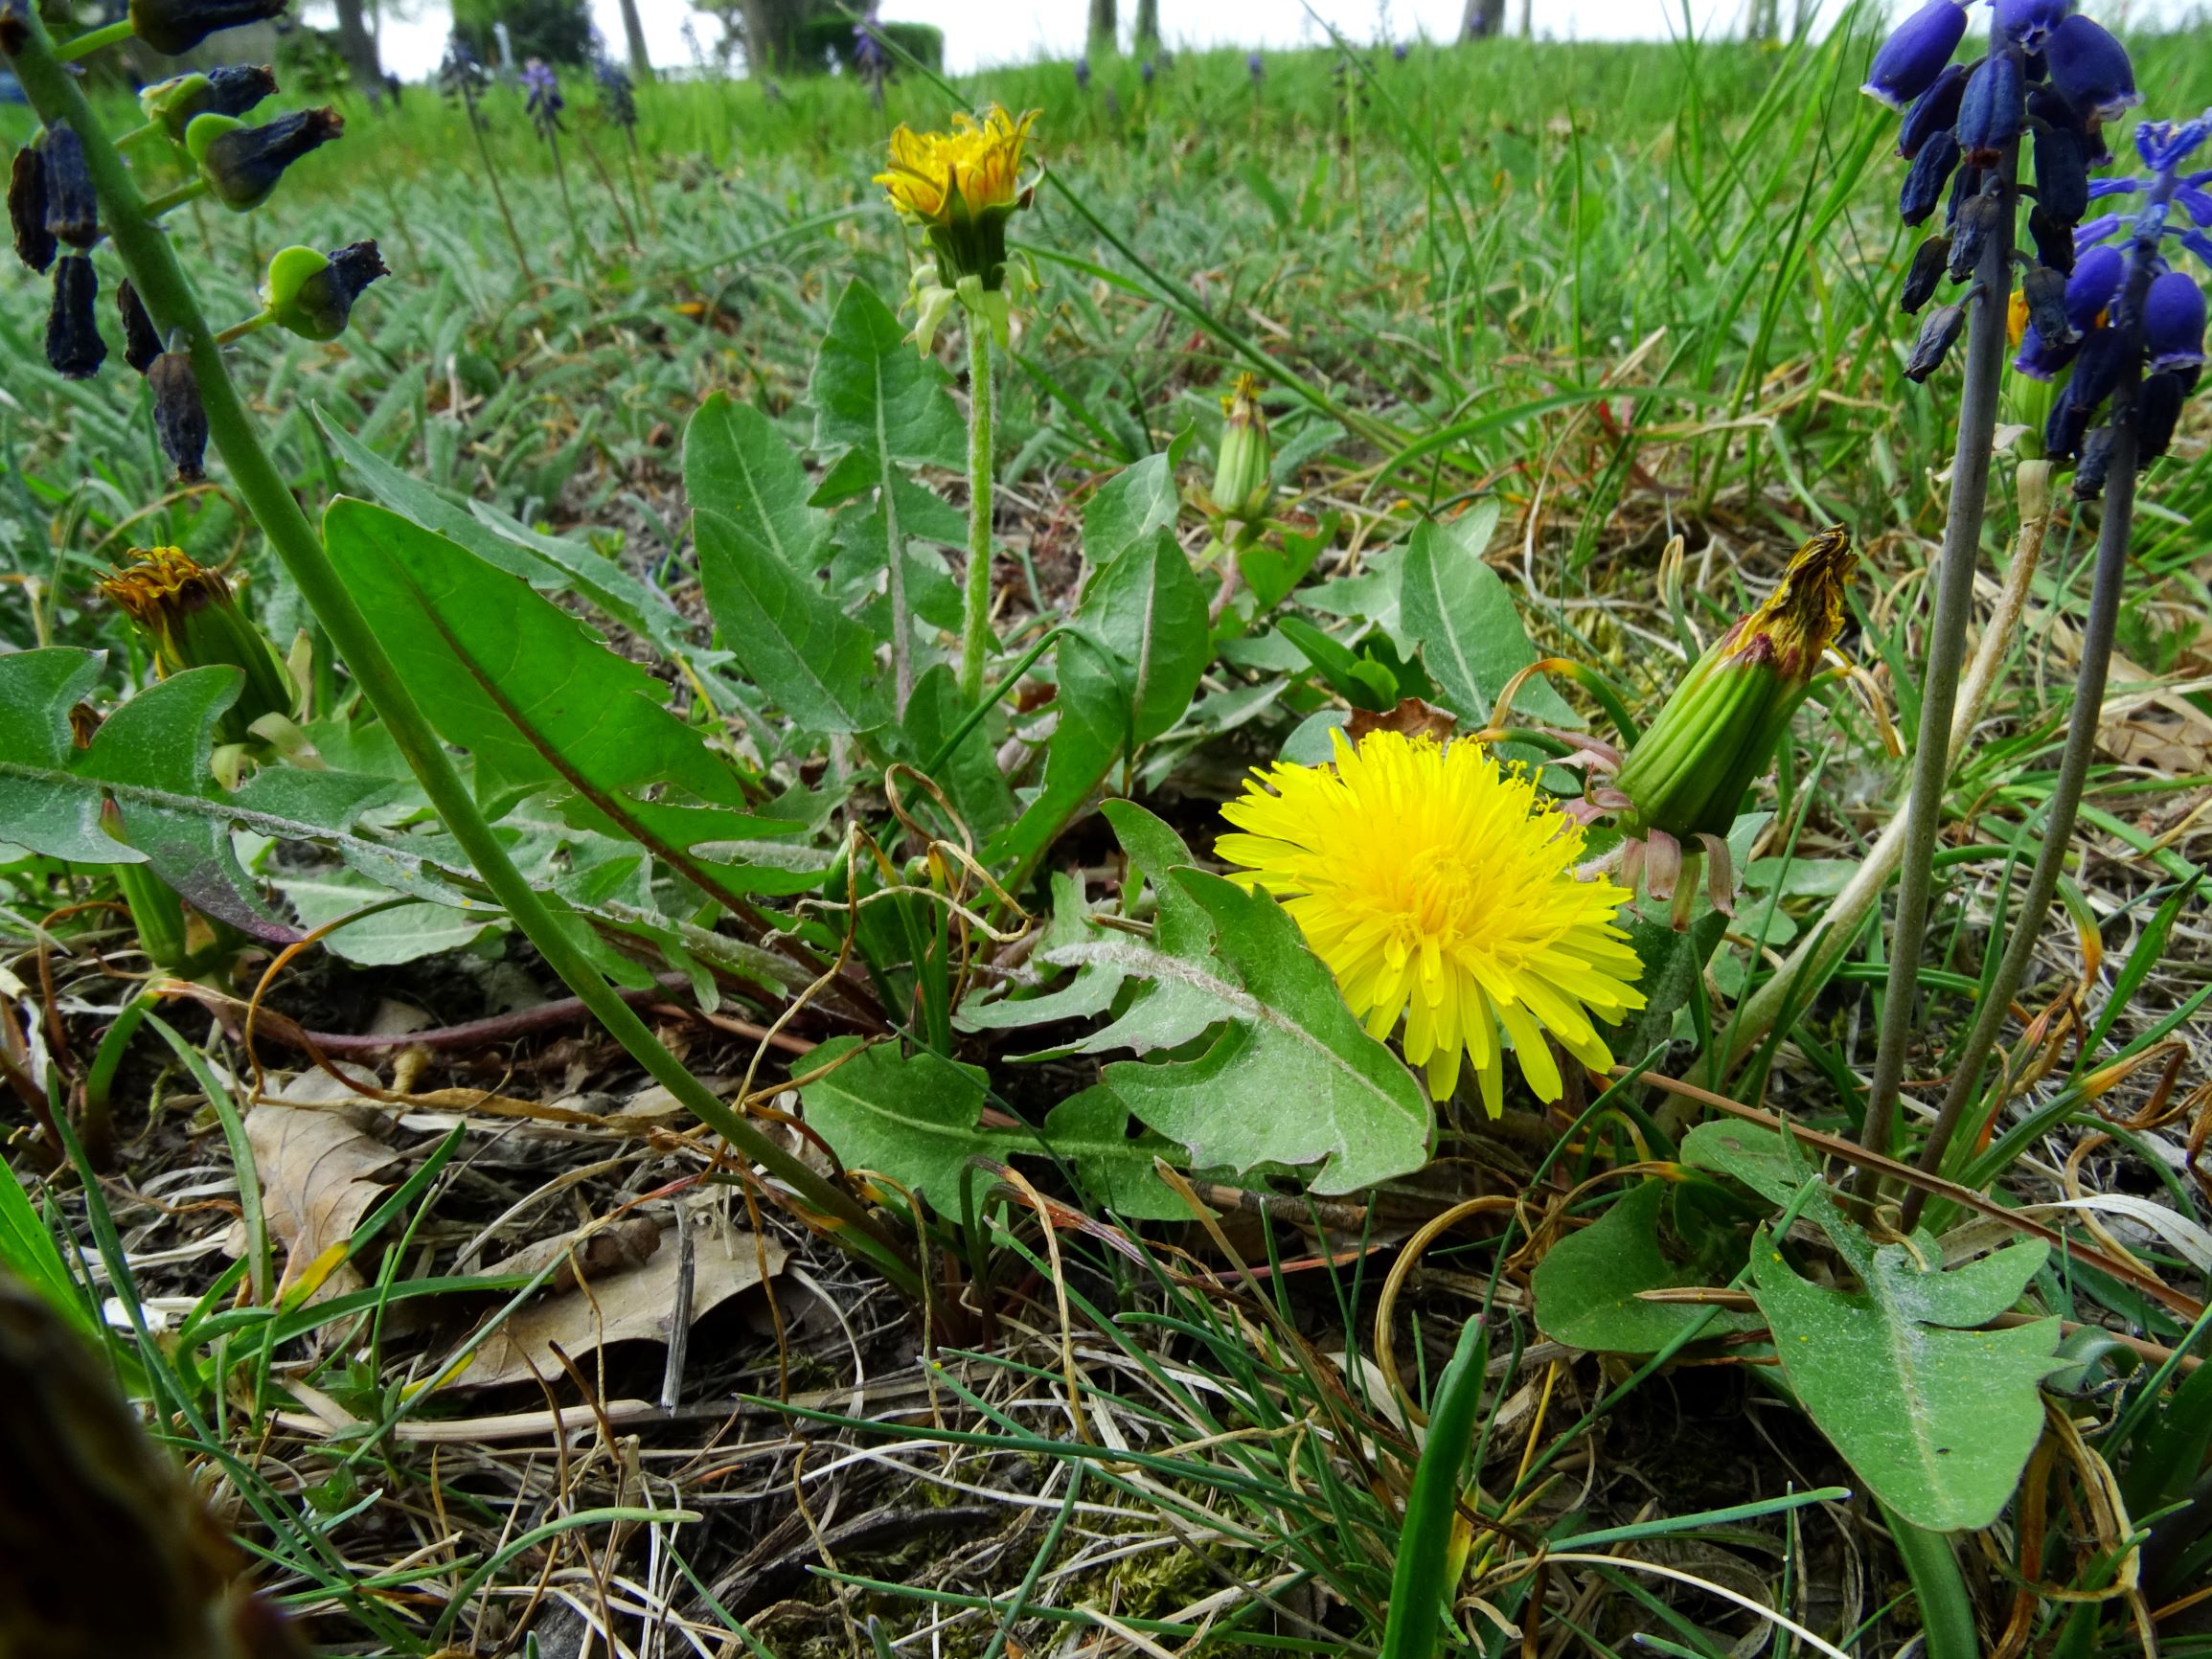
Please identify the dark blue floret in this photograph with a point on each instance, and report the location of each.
(1924, 181)
(1934, 111)
(2091, 68)
(1992, 109)
(1915, 53)
(2174, 321)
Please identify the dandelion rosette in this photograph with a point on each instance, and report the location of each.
(1441, 890)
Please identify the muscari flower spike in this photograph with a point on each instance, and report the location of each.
(1441, 889)
(175, 27)
(243, 163)
(616, 95)
(311, 294)
(541, 96)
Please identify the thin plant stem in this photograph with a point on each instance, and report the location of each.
(499, 195)
(91, 41)
(191, 189)
(579, 242)
(1977, 413)
(159, 276)
(1995, 999)
(975, 619)
(645, 208)
(607, 179)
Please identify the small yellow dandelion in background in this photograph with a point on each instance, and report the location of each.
(1440, 886)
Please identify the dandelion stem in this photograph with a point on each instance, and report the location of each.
(975, 619)
(155, 271)
(1978, 412)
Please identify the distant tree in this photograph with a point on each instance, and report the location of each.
(1147, 29)
(558, 31)
(633, 33)
(360, 47)
(1483, 17)
(1105, 26)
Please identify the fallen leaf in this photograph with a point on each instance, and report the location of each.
(628, 1305)
(320, 1174)
(1411, 718)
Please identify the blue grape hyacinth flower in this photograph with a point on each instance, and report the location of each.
(1916, 52)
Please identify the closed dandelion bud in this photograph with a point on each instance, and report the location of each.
(2043, 300)
(73, 347)
(140, 340)
(1930, 170)
(2174, 321)
(190, 619)
(313, 294)
(1937, 336)
(72, 209)
(1244, 482)
(2054, 239)
(1992, 109)
(2157, 408)
(1915, 54)
(243, 164)
(961, 186)
(1977, 221)
(1689, 772)
(2062, 175)
(2090, 69)
(1934, 111)
(179, 421)
(1928, 261)
(175, 27)
(34, 243)
(233, 90)
(2095, 463)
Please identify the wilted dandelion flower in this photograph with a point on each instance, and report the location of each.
(1440, 887)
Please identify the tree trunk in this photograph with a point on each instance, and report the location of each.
(358, 47)
(1104, 26)
(1147, 29)
(1485, 18)
(771, 35)
(633, 30)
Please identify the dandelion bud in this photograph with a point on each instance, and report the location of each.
(1992, 109)
(313, 294)
(141, 339)
(72, 209)
(2053, 239)
(233, 90)
(1937, 336)
(1934, 111)
(2062, 175)
(1915, 54)
(2096, 461)
(1688, 774)
(243, 164)
(1928, 261)
(2090, 69)
(2029, 22)
(1244, 483)
(191, 620)
(2174, 321)
(2042, 300)
(179, 420)
(1977, 221)
(2158, 407)
(1930, 170)
(34, 243)
(175, 27)
(73, 347)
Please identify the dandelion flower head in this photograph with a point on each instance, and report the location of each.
(945, 177)
(1440, 887)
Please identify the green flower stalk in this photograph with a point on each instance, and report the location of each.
(1687, 776)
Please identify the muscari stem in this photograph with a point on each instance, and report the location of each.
(499, 195)
(1978, 412)
(2089, 677)
(162, 284)
(975, 619)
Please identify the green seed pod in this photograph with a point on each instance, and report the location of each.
(233, 90)
(1244, 483)
(1688, 774)
(313, 294)
(243, 164)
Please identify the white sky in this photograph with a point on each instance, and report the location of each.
(981, 32)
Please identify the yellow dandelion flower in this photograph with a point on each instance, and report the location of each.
(1439, 887)
(961, 186)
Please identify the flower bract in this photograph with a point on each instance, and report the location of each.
(1440, 887)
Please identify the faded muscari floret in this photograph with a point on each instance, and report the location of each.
(235, 90)
(141, 339)
(72, 209)
(1934, 111)
(1915, 54)
(313, 294)
(179, 421)
(1937, 335)
(73, 347)
(243, 164)
(34, 244)
(1977, 219)
(1924, 181)
(175, 27)
(1929, 261)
